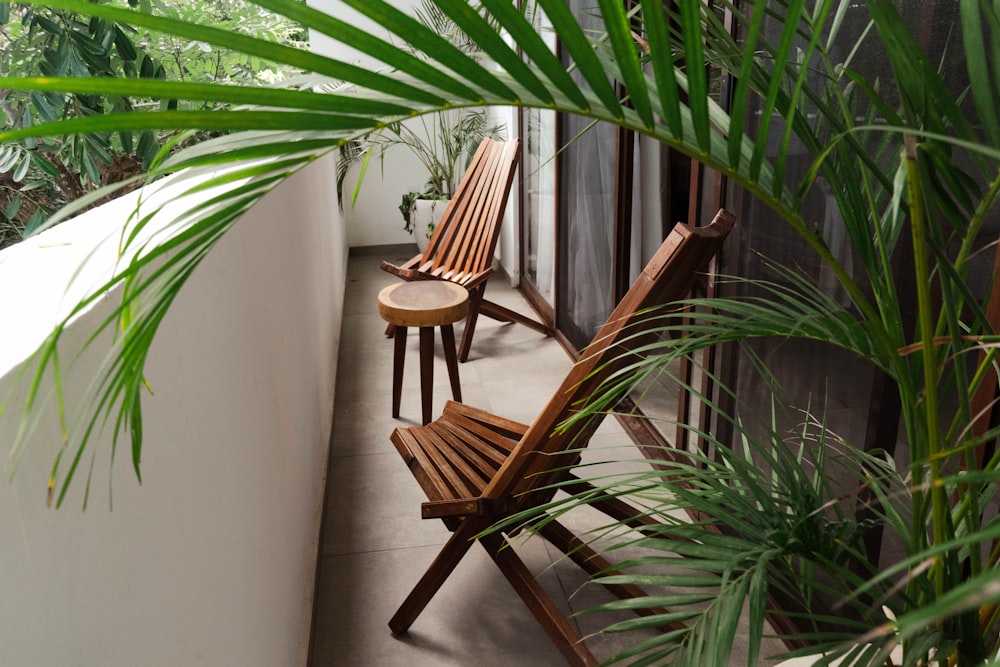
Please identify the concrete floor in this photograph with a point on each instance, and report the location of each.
(375, 545)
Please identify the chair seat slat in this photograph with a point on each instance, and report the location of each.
(474, 469)
(493, 441)
(509, 428)
(426, 474)
(445, 463)
(488, 455)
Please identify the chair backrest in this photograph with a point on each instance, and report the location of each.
(543, 453)
(465, 239)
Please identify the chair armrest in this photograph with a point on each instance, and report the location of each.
(399, 271)
(407, 273)
(441, 509)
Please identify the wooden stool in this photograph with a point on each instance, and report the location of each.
(425, 304)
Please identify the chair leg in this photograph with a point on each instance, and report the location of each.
(559, 630)
(475, 298)
(450, 358)
(426, 371)
(447, 560)
(398, 356)
(503, 314)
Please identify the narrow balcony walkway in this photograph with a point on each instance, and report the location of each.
(375, 545)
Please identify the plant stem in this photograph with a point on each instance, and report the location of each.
(976, 222)
(931, 453)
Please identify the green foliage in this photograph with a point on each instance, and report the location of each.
(444, 144)
(907, 155)
(193, 60)
(406, 204)
(37, 178)
(46, 175)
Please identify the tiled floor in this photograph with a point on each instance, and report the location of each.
(375, 544)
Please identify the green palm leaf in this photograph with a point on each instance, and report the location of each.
(695, 68)
(778, 524)
(430, 44)
(627, 58)
(661, 45)
(226, 94)
(279, 53)
(493, 46)
(574, 40)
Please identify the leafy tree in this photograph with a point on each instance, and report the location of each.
(38, 176)
(194, 60)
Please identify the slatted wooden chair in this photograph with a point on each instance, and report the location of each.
(477, 468)
(462, 246)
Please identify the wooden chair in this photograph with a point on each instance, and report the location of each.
(462, 246)
(477, 468)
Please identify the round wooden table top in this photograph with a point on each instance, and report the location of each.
(423, 303)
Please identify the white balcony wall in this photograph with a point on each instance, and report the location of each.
(211, 561)
(375, 218)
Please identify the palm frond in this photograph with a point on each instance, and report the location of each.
(653, 70)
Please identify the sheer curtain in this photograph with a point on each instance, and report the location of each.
(587, 232)
(540, 204)
(539, 178)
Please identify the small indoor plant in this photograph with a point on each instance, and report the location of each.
(443, 142)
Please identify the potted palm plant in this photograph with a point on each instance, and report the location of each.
(443, 144)
(904, 156)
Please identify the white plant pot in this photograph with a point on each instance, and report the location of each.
(425, 215)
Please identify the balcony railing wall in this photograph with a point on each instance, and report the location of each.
(211, 560)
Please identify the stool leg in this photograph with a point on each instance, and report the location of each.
(398, 355)
(451, 358)
(426, 370)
